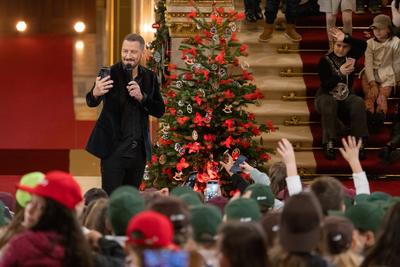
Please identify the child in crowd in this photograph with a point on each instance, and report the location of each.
(148, 230)
(331, 9)
(385, 250)
(242, 245)
(299, 233)
(53, 236)
(382, 70)
(338, 239)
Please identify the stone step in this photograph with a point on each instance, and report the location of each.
(295, 134)
(275, 87)
(279, 111)
(272, 63)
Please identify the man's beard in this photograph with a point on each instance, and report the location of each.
(133, 64)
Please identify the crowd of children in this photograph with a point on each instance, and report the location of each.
(318, 224)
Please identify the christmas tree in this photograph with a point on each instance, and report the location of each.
(159, 47)
(206, 102)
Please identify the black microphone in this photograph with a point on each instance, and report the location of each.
(129, 72)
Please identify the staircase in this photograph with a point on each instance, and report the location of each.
(286, 72)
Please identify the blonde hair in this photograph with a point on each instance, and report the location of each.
(346, 259)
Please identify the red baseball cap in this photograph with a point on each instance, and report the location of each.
(150, 228)
(58, 186)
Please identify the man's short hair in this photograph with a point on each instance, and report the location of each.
(329, 193)
(133, 37)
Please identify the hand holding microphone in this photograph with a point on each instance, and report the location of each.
(133, 87)
(134, 90)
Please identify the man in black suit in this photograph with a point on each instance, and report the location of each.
(121, 137)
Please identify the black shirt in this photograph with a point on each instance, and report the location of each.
(131, 134)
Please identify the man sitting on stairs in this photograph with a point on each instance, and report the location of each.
(335, 100)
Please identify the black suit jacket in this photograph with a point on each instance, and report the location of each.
(108, 126)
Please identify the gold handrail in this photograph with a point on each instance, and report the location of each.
(295, 121)
(289, 72)
(293, 97)
(286, 49)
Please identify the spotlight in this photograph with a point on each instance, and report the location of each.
(79, 26)
(21, 26)
(79, 45)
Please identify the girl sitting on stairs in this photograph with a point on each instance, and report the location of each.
(381, 72)
(335, 99)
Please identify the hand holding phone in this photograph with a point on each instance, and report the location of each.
(103, 82)
(104, 72)
(350, 61)
(236, 166)
(212, 190)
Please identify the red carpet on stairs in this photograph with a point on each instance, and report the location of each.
(37, 112)
(317, 39)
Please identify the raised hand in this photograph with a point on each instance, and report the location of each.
(337, 34)
(350, 152)
(285, 149)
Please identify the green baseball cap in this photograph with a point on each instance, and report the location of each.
(360, 198)
(262, 194)
(31, 180)
(124, 203)
(242, 209)
(205, 220)
(373, 197)
(180, 190)
(366, 216)
(191, 199)
(379, 196)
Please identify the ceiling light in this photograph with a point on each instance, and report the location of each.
(21, 26)
(79, 26)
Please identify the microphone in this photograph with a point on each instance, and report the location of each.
(129, 72)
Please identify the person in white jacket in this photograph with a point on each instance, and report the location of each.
(382, 71)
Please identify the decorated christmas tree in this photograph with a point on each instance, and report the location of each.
(159, 47)
(206, 107)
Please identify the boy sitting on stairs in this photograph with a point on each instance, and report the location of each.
(335, 99)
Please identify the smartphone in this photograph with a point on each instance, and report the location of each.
(165, 258)
(104, 72)
(236, 166)
(191, 180)
(350, 61)
(212, 190)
